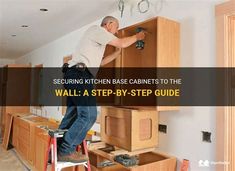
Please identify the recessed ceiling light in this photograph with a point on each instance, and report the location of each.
(43, 9)
(24, 26)
(13, 35)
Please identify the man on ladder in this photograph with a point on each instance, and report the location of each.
(81, 110)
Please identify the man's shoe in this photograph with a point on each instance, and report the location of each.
(73, 157)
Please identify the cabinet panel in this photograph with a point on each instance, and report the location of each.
(41, 144)
(23, 149)
(9, 91)
(162, 44)
(133, 57)
(41, 148)
(128, 128)
(108, 51)
(15, 132)
(16, 128)
(12, 110)
(168, 43)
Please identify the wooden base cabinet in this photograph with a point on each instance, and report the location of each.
(24, 135)
(15, 127)
(129, 129)
(150, 161)
(18, 110)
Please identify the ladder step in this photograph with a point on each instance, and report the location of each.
(52, 146)
(69, 164)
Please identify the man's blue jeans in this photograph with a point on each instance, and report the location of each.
(80, 115)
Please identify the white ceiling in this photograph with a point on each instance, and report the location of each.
(63, 16)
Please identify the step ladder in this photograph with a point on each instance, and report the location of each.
(52, 147)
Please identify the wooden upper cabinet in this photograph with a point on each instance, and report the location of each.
(161, 49)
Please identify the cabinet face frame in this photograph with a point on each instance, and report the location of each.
(225, 116)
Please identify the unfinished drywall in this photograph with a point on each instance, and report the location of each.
(6, 61)
(183, 138)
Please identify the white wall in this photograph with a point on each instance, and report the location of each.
(183, 138)
(6, 61)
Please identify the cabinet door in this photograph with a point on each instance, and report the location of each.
(3, 113)
(40, 151)
(32, 144)
(15, 132)
(168, 43)
(23, 140)
(23, 149)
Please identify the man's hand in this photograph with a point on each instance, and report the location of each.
(140, 35)
(127, 41)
